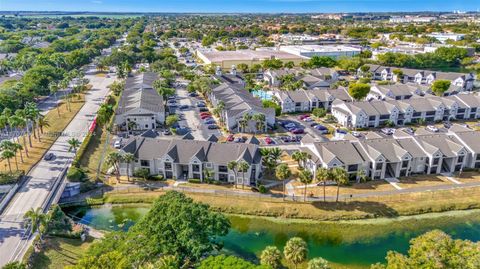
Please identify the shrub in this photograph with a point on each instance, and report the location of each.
(143, 173)
(76, 174)
(10, 178)
(262, 189)
(157, 178)
(194, 180)
(319, 112)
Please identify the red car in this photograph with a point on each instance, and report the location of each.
(230, 138)
(297, 131)
(301, 117)
(205, 113)
(268, 140)
(205, 117)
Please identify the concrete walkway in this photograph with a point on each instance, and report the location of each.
(394, 182)
(451, 179)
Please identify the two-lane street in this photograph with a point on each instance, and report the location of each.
(41, 178)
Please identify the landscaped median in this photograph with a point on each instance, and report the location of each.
(356, 208)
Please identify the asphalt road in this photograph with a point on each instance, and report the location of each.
(36, 189)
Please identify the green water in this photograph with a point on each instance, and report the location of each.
(355, 244)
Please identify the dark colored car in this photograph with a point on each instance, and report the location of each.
(183, 107)
(202, 109)
(297, 131)
(212, 127)
(49, 156)
(193, 94)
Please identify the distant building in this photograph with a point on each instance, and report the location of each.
(443, 37)
(410, 19)
(227, 59)
(334, 51)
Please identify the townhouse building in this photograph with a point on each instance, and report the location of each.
(429, 108)
(238, 102)
(307, 100)
(401, 155)
(189, 159)
(395, 92)
(422, 77)
(140, 107)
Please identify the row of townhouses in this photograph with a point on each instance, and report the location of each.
(140, 107)
(312, 79)
(188, 159)
(238, 102)
(399, 112)
(421, 77)
(399, 156)
(306, 100)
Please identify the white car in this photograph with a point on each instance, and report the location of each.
(307, 119)
(117, 144)
(356, 134)
(432, 128)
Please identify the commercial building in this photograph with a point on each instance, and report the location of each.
(227, 59)
(334, 51)
(443, 37)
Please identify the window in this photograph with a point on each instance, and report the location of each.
(352, 168)
(460, 159)
(378, 166)
(404, 164)
(436, 161)
(168, 166)
(222, 168)
(371, 118)
(196, 168)
(144, 163)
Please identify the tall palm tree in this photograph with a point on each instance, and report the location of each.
(306, 178)
(32, 113)
(128, 158)
(73, 143)
(243, 167)
(21, 123)
(295, 251)
(243, 122)
(271, 257)
(35, 218)
(318, 263)
(232, 165)
(13, 147)
(340, 177)
(7, 155)
(208, 174)
(282, 172)
(323, 175)
(259, 122)
(43, 122)
(300, 157)
(54, 87)
(114, 159)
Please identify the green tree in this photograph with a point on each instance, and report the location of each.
(271, 257)
(306, 178)
(300, 157)
(439, 87)
(232, 166)
(128, 158)
(323, 175)
(318, 263)
(36, 220)
(14, 265)
(73, 144)
(341, 178)
(243, 167)
(230, 262)
(358, 91)
(295, 251)
(7, 155)
(435, 250)
(171, 120)
(283, 172)
(114, 159)
(319, 112)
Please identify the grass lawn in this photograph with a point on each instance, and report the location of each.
(356, 208)
(371, 186)
(93, 154)
(423, 181)
(60, 252)
(50, 134)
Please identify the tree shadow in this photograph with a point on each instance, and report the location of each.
(375, 209)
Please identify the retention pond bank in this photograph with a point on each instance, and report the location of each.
(347, 244)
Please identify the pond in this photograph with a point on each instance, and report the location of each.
(352, 244)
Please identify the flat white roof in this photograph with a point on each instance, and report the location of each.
(247, 55)
(319, 48)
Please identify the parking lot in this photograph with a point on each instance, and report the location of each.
(190, 117)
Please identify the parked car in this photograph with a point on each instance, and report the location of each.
(409, 130)
(268, 140)
(387, 131)
(212, 127)
(183, 107)
(117, 144)
(210, 121)
(193, 94)
(432, 128)
(341, 131)
(356, 134)
(203, 117)
(297, 131)
(205, 113)
(301, 117)
(49, 156)
(290, 125)
(230, 138)
(200, 104)
(307, 119)
(447, 124)
(202, 109)
(239, 140)
(166, 132)
(320, 127)
(313, 124)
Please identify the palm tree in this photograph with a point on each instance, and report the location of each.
(17, 122)
(232, 165)
(270, 157)
(32, 113)
(128, 158)
(300, 157)
(22, 124)
(73, 143)
(323, 175)
(13, 147)
(243, 122)
(243, 167)
(7, 155)
(340, 177)
(114, 159)
(54, 87)
(131, 125)
(43, 122)
(306, 178)
(36, 218)
(295, 251)
(282, 172)
(318, 263)
(208, 174)
(259, 122)
(271, 257)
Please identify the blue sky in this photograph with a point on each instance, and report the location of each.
(293, 6)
